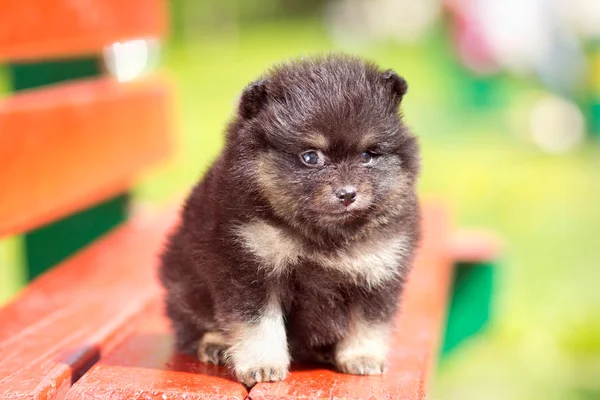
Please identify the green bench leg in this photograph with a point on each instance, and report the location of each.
(50, 244)
(594, 95)
(470, 304)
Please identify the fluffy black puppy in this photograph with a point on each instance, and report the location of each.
(297, 241)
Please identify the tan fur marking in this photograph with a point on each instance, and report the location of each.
(273, 188)
(318, 141)
(373, 260)
(275, 250)
(367, 140)
(214, 338)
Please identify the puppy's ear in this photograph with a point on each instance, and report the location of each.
(253, 99)
(396, 83)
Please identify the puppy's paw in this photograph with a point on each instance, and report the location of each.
(259, 349)
(251, 376)
(212, 353)
(212, 348)
(362, 365)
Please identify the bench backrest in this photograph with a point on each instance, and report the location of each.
(71, 148)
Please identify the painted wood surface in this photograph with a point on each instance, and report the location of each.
(67, 147)
(475, 246)
(36, 29)
(144, 366)
(66, 319)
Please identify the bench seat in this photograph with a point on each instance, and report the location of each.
(143, 365)
(93, 328)
(65, 320)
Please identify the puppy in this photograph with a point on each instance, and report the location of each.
(297, 241)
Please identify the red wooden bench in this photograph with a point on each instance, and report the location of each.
(101, 309)
(144, 366)
(92, 327)
(45, 28)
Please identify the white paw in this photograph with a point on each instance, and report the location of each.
(259, 349)
(362, 365)
(251, 376)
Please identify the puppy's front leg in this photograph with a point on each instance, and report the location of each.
(364, 350)
(259, 350)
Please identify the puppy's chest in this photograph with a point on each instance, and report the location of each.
(371, 261)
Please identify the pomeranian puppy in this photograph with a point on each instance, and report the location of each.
(297, 241)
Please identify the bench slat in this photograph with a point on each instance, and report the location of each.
(67, 147)
(415, 344)
(62, 322)
(144, 367)
(475, 246)
(49, 28)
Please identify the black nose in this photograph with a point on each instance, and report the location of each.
(347, 195)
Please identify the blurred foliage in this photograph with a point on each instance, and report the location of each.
(3, 80)
(12, 273)
(191, 17)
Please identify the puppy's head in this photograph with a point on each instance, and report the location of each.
(326, 144)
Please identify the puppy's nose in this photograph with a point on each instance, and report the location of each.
(347, 195)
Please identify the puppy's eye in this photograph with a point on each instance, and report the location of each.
(366, 157)
(311, 158)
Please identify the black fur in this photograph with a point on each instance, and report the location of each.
(210, 277)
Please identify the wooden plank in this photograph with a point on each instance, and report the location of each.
(58, 327)
(414, 346)
(36, 29)
(474, 246)
(71, 146)
(145, 367)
